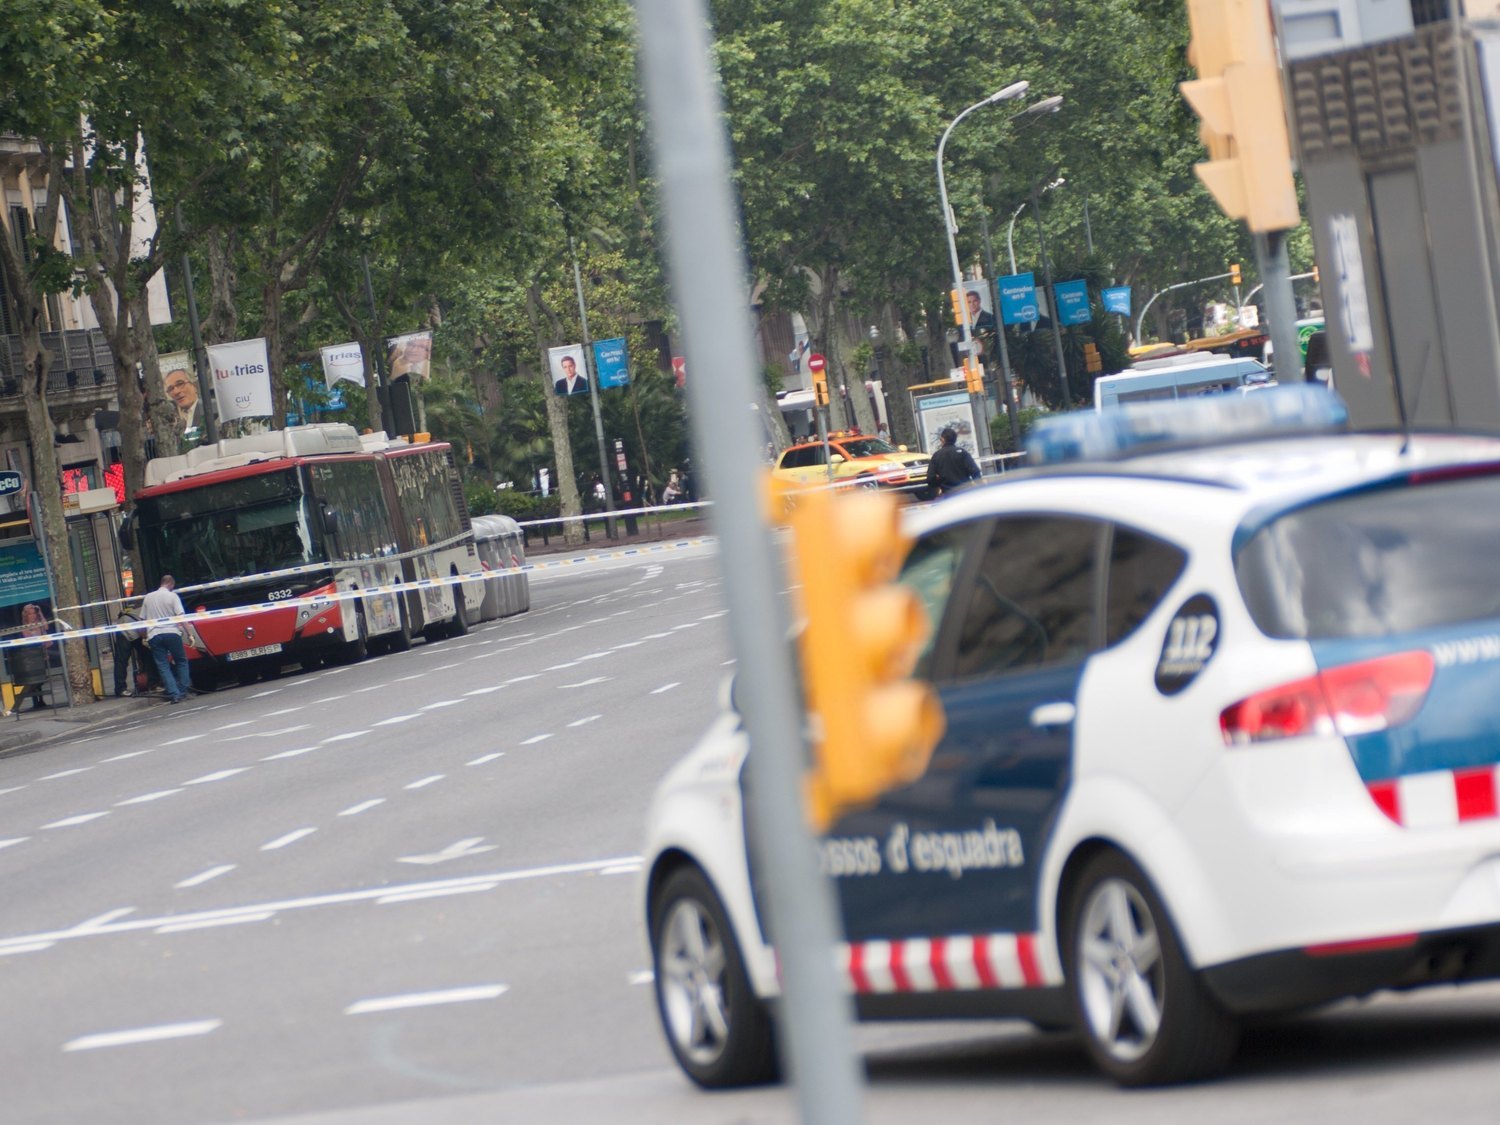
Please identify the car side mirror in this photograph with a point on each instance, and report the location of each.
(901, 448)
(836, 459)
(330, 521)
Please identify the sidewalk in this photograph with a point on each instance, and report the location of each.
(28, 730)
(649, 530)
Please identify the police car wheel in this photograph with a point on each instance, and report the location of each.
(1145, 1017)
(719, 1032)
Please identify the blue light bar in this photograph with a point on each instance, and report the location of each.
(1089, 435)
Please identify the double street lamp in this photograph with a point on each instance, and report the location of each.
(966, 348)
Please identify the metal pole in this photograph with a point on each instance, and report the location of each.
(588, 347)
(710, 278)
(1281, 306)
(1088, 227)
(1140, 320)
(1062, 364)
(200, 353)
(383, 386)
(1010, 237)
(1012, 409)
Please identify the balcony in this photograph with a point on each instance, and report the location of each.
(80, 380)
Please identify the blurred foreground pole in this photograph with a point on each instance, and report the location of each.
(708, 272)
(1281, 305)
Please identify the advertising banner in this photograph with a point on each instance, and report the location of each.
(1072, 302)
(611, 363)
(569, 376)
(242, 379)
(1018, 298)
(180, 382)
(23, 578)
(1117, 300)
(409, 356)
(343, 361)
(936, 412)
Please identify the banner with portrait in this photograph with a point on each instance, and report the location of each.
(569, 375)
(180, 382)
(343, 361)
(410, 356)
(242, 379)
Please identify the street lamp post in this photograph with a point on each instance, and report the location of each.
(1010, 234)
(1062, 364)
(966, 348)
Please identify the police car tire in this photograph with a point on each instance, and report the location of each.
(1195, 1037)
(747, 1056)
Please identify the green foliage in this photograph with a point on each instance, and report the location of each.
(1000, 435)
(481, 497)
(523, 506)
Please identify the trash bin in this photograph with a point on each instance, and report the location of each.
(28, 665)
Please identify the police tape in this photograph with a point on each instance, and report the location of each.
(323, 601)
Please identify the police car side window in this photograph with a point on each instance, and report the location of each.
(930, 568)
(1142, 569)
(1032, 602)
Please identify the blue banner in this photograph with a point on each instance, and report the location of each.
(611, 364)
(1018, 298)
(23, 578)
(1117, 300)
(1072, 302)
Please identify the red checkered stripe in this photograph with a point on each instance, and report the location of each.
(961, 963)
(1439, 798)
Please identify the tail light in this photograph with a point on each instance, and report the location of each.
(1348, 700)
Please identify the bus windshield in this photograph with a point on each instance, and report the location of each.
(229, 530)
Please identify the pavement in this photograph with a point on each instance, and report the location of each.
(549, 540)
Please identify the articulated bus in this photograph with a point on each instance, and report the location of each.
(310, 512)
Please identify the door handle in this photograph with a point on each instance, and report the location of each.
(1053, 714)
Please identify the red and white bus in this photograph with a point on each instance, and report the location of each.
(319, 515)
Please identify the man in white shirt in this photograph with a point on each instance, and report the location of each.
(165, 639)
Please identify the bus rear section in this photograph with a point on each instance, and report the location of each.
(1179, 376)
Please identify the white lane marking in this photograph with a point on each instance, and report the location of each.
(267, 733)
(445, 667)
(14, 840)
(289, 838)
(141, 1035)
(585, 721)
(481, 760)
(394, 719)
(345, 737)
(666, 687)
(204, 876)
(560, 667)
(588, 683)
(64, 773)
(284, 711)
(210, 923)
(621, 869)
(184, 738)
(34, 947)
(236, 726)
(422, 783)
(441, 703)
(413, 676)
(330, 699)
(68, 822)
(372, 687)
(711, 616)
(338, 898)
(440, 892)
(12, 789)
(363, 806)
(594, 656)
(485, 690)
(645, 976)
(726, 663)
(522, 679)
(217, 775)
(104, 919)
(655, 636)
(289, 753)
(630, 644)
(689, 625)
(145, 797)
(425, 999)
(598, 621)
(268, 691)
(534, 739)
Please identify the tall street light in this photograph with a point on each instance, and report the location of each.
(966, 350)
(1010, 235)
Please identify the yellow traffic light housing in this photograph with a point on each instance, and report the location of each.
(1234, 273)
(820, 386)
(873, 727)
(973, 376)
(957, 297)
(1238, 96)
(1093, 361)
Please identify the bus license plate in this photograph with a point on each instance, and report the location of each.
(247, 653)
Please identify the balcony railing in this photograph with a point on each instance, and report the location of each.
(81, 361)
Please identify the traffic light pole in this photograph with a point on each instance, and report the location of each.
(709, 276)
(1281, 307)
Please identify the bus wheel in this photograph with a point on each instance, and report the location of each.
(459, 626)
(359, 648)
(400, 640)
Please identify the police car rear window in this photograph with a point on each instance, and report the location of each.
(1377, 563)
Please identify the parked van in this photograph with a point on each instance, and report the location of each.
(1178, 376)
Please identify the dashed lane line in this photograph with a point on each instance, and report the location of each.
(22, 839)
(485, 690)
(394, 719)
(63, 773)
(425, 999)
(479, 761)
(214, 923)
(144, 798)
(590, 682)
(666, 687)
(441, 703)
(141, 1035)
(131, 754)
(585, 720)
(217, 775)
(289, 753)
(289, 838)
(423, 783)
(345, 737)
(534, 739)
(204, 876)
(70, 821)
(363, 806)
(433, 892)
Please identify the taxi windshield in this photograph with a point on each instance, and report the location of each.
(867, 447)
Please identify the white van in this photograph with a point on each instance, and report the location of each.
(1178, 376)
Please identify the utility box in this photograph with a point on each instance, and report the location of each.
(1391, 121)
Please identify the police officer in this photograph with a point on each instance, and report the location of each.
(950, 467)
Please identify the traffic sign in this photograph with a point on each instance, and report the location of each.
(10, 483)
(817, 364)
(817, 367)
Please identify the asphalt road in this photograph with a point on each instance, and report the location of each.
(404, 893)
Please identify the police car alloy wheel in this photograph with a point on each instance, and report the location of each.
(718, 1030)
(1145, 1016)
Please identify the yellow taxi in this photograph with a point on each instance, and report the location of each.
(854, 458)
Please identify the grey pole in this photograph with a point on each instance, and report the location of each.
(200, 353)
(588, 373)
(383, 382)
(1281, 306)
(1062, 364)
(709, 278)
(1012, 408)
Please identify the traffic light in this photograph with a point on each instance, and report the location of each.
(973, 376)
(1234, 273)
(873, 727)
(820, 386)
(957, 297)
(1238, 96)
(1093, 361)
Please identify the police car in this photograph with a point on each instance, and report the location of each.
(1223, 727)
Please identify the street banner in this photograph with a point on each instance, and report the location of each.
(1072, 302)
(1117, 300)
(409, 356)
(569, 376)
(242, 379)
(611, 363)
(23, 578)
(1018, 298)
(343, 361)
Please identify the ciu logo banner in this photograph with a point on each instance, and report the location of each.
(343, 361)
(242, 379)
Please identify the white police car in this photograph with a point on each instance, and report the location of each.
(1223, 727)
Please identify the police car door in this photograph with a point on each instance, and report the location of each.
(957, 852)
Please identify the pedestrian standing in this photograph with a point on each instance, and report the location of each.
(133, 659)
(164, 638)
(950, 467)
(34, 623)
